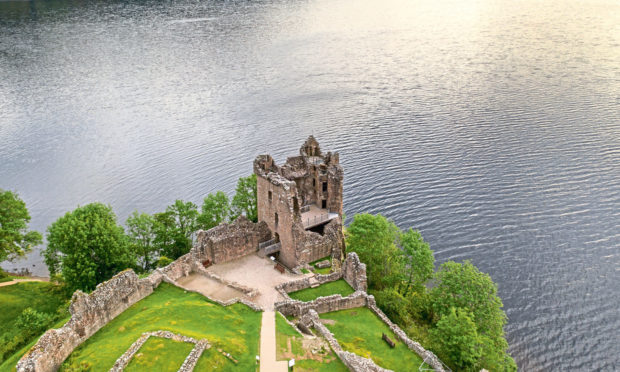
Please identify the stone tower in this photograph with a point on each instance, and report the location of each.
(301, 202)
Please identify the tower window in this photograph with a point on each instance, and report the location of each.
(269, 195)
(324, 186)
(324, 204)
(276, 219)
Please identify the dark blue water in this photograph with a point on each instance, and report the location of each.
(491, 126)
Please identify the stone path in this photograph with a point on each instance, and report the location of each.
(268, 361)
(15, 281)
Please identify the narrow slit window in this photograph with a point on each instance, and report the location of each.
(269, 195)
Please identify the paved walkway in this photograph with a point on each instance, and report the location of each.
(268, 361)
(15, 281)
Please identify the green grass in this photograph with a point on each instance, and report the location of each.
(234, 328)
(323, 271)
(160, 354)
(305, 271)
(304, 359)
(212, 360)
(359, 331)
(327, 289)
(9, 364)
(41, 296)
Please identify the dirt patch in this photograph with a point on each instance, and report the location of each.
(209, 287)
(257, 273)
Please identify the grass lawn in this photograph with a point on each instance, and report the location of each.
(10, 363)
(327, 289)
(234, 328)
(41, 296)
(323, 271)
(359, 331)
(290, 346)
(160, 354)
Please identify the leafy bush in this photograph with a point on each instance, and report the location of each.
(31, 321)
(163, 261)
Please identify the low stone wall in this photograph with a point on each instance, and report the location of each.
(308, 314)
(89, 312)
(427, 356)
(227, 242)
(188, 364)
(199, 269)
(322, 304)
(352, 361)
(353, 272)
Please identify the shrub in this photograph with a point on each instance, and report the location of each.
(163, 261)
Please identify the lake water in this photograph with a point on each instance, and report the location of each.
(491, 126)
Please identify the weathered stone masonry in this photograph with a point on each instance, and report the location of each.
(301, 202)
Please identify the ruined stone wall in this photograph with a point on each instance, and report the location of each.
(311, 246)
(322, 304)
(354, 272)
(354, 362)
(227, 242)
(89, 312)
(427, 356)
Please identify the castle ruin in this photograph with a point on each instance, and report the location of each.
(301, 203)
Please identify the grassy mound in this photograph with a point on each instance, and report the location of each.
(290, 346)
(359, 331)
(336, 287)
(234, 328)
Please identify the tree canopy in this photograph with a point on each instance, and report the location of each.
(215, 210)
(141, 233)
(87, 246)
(372, 237)
(464, 286)
(245, 199)
(457, 340)
(419, 262)
(15, 238)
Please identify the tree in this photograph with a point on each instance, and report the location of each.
(464, 286)
(185, 214)
(245, 200)
(372, 238)
(169, 240)
(141, 233)
(15, 239)
(419, 263)
(457, 340)
(87, 246)
(215, 210)
(174, 229)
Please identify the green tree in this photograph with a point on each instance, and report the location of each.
(215, 210)
(15, 239)
(419, 262)
(169, 240)
(372, 238)
(184, 214)
(87, 246)
(174, 229)
(245, 200)
(141, 233)
(464, 286)
(456, 340)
